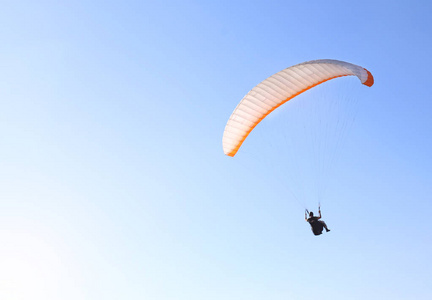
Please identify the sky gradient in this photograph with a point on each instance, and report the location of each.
(113, 182)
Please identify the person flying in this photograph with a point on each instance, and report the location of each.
(317, 226)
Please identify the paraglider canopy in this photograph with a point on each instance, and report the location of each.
(280, 88)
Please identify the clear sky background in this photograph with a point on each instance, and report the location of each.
(113, 182)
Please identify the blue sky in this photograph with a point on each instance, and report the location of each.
(113, 182)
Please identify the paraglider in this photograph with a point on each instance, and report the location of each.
(316, 224)
(278, 89)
